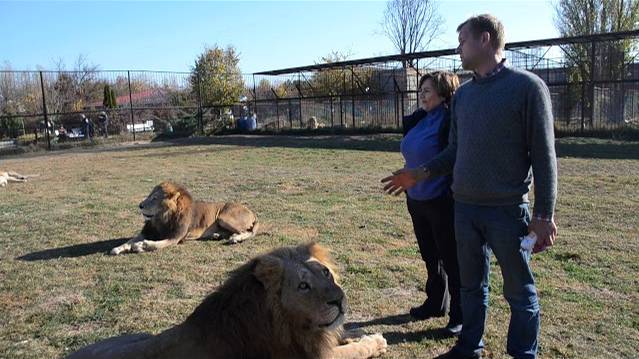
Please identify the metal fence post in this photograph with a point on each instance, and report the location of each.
(200, 114)
(46, 116)
(341, 99)
(290, 119)
(591, 88)
(583, 104)
(128, 75)
(254, 98)
(352, 97)
(299, 86)
(332, 121)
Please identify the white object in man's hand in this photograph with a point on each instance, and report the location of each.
(546, 232)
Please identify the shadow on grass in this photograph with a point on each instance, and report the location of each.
(365, 142)
(397, 319)
(593, 148)
(76, 250)
(397, 337)
(566, 147)
(434, 334)
(375, 142)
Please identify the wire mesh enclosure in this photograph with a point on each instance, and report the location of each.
(593, 82)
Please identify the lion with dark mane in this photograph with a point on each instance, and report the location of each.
(172, 216)
(284, 304)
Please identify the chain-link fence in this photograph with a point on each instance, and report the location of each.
(593, 80)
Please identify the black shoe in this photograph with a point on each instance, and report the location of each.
(454, 354)
(422, 313)
(453, 327)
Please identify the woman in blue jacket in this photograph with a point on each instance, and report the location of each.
(430, 203)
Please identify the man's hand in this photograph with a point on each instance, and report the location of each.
(546, 232)
(403, 179)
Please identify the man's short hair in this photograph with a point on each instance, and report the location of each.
(444, 82)
(486, 23)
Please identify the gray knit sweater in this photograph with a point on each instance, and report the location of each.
(501, 128)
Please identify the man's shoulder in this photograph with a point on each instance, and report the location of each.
(525, 77)
(465, 86)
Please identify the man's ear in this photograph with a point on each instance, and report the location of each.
(268, 270)
(485, 38)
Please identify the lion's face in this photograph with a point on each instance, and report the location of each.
(308, 293)
(162, 199)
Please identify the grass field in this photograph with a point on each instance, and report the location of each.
(59, 290)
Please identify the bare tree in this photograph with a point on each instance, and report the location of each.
(411, 25)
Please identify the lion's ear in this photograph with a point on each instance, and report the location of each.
(175, 196)
(320, 253)
(268, 270)
(315, 250)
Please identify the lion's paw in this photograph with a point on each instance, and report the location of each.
(120, 249)
(139, 247)
(376, 343)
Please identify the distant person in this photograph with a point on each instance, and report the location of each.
(88, 128)
(103, 121)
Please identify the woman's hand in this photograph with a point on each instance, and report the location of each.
(403, 179)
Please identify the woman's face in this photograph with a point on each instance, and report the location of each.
(428, 96)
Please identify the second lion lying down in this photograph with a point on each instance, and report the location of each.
(172, 216)
(285, 304)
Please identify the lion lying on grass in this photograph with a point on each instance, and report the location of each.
(284, 304)
(6, 177)
(171, 216)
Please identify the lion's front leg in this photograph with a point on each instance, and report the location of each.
(126, 247)
(369, 346)
(147, 246)
(16, 177)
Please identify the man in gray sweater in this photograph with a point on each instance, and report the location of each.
(501, 129)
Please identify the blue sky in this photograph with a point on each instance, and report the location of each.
(269, 35)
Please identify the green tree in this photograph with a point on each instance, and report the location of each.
(109, 97)
(113, 102)
(217, 76)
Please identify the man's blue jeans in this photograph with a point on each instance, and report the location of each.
(480, 230)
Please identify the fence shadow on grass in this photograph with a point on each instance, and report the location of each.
(378, 142)
(600, 149)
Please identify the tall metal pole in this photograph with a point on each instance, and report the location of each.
(299, 86)
(592, 85)
(332, 121)
(44, 109)
(352, 96)
(128, 75)
(254, 98)
(341, 99)
(200, 114)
